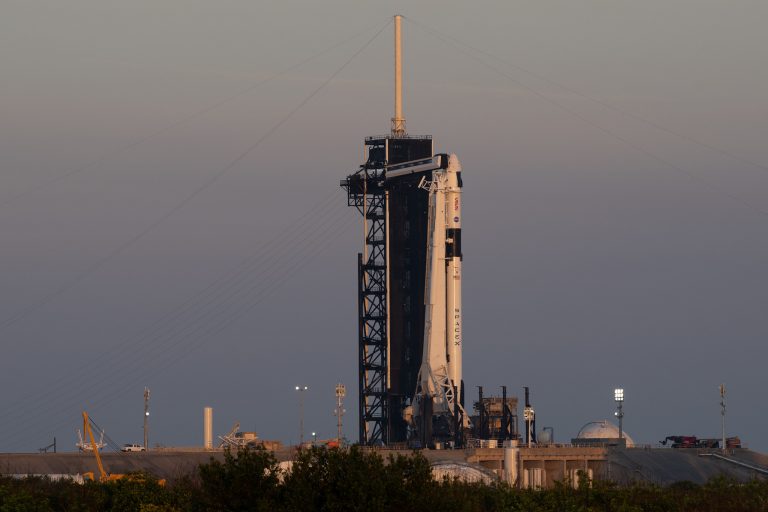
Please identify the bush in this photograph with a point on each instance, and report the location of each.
(246, 480)
(360, 480)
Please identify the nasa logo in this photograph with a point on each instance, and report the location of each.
(455, 219)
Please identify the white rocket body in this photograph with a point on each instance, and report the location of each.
(439, 380)
(453, 270)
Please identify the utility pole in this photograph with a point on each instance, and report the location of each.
(301, 390)
(722, 414)
(146, 418)
(341, 392)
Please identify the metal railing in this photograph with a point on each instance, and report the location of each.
(390, 136)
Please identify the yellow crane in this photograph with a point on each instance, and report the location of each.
(103, 475)
(88, 435)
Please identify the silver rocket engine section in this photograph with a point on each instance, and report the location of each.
(437, 414)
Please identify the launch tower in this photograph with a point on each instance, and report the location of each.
(389, 191)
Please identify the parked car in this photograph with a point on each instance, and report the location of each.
(133, 448)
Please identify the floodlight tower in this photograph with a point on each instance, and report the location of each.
(618, 396)
(530, 419)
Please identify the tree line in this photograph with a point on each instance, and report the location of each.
(356, 480)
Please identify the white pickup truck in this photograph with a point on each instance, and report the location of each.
(133, 448)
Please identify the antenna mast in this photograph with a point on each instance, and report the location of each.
(341, 392)
(146, 419)
(398, 122)
(722, 414)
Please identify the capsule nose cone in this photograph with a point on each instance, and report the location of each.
(453, 163)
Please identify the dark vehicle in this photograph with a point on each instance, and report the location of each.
(695, 442)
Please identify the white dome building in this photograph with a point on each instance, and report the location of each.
(601, 432)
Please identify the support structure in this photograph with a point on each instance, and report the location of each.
(495, 417)
(391, 272)
(387, 366)
(365, 193)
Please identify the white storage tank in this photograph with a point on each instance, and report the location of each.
(208, 428)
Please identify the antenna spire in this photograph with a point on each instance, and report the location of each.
(398, 122)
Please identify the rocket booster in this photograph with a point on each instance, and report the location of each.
(434, 368)
(439, 381)
(453, 270)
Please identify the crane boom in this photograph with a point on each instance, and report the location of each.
(88, 432)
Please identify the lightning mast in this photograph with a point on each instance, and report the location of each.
(398, 122)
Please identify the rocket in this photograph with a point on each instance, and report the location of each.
(453, 269)
(439, 384)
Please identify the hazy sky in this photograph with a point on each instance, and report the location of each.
(141, 244)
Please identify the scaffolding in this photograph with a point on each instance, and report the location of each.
(366, 193)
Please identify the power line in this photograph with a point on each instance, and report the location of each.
(171, 345)
(176, 124)
(175, 339)
(148, 345)
(309, 223)
(25, 312)
(627, 142)
(103, 394)
(598, 101)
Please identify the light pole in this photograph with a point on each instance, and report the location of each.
(314, 438)
(301, 390)
(618, 396)
(146, 419)
(529, 415)
(341, 392)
